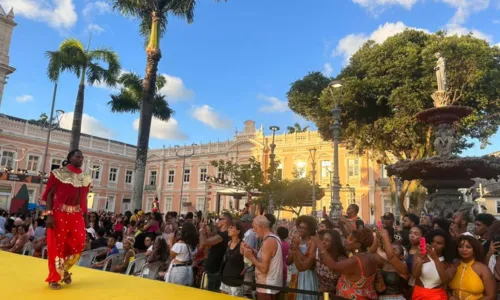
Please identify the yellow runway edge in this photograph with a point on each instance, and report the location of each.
(23, 277)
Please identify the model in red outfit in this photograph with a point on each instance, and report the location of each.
(66, 200)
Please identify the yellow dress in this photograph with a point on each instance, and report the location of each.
(466, 284)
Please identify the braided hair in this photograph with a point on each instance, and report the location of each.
(68, 158)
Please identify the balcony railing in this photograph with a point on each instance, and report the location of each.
(150, 187)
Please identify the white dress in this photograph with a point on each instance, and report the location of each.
(180, 270)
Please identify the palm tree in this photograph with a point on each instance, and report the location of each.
(296, 128)
(86, 65)
(152, 15)
(130, 97)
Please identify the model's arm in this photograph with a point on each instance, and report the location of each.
(269, 248)
(490, 285)
(208, 242)
(305, 262)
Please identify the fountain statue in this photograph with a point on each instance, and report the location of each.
(443, 174)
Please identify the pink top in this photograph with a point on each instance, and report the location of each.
(285, 248)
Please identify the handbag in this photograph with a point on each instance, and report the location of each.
(379, 282)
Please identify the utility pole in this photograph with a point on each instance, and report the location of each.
(272, 156)
(312, 152)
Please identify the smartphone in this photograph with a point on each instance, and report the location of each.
(496, 239)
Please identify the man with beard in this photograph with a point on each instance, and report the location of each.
(459, 226)
(218, 245)
(409, 221)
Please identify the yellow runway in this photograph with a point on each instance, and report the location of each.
(23, 277)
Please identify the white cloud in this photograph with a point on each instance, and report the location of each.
(164, 130)
(453, 29)
(175, 90)
(497, 44)
(464, 8)
(24, 98)
(372, 5)
(57, 13)
(207, 115)
(496, 21)
(275, 104)
(328, 69)
(94, 28)
(348, 45)
(96, 8)
(90, 125)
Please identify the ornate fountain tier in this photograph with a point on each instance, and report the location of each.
(453, 168)
(444, 114)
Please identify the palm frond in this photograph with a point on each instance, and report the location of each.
(132, 82)
(124, 102)
(130, 8)
(161, 109)
(182, 8)
(161, 81)
(110, 76)
(54, 67)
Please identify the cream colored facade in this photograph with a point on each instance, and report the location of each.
(112, 164)
(7, 25)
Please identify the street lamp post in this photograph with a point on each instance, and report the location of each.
(312, 152)
(183, 156)
(398, 187)
(50, 126)
(272, 156)
(335, 204)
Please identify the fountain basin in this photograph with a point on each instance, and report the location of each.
(454, 168)
(446, 114)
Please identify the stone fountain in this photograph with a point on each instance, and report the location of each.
(445, 173)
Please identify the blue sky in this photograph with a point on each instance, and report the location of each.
(234, 63)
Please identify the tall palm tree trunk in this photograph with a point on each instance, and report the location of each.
(146, 114)
(76, 129)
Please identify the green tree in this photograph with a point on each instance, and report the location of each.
(296, 128)
(86, 65)
(249, 177)
(386, 84)
(130, 97)
(152, 16)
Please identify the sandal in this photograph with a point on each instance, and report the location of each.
(67, 278)
(54, 286)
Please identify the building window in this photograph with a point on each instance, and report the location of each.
(96, 172)
(220, 174)
(152, 178)
(300, 169)
(7, 159)
(279, 171)
(128, 176)
(184, 208)
(203, 174)
(171, 176)
(326, 168)
(31, 194)
(383, 171)
(113, 173)
(200, 204)
(33, 163)
(56, 163)
(353, 165)
(168, 204)
(388, 207)
(110, 204)
(187, 175)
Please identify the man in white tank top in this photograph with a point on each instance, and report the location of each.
(268, 260)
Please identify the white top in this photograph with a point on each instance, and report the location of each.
(119, 245)
(274, 275)
(492, 263)
(430, 276)
(184, 252)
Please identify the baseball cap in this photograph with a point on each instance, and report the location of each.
(246, 218)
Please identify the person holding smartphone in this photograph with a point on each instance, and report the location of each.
(493, 255)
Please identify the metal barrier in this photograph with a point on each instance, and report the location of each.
(238, 281)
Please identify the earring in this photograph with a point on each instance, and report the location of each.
(356, 251)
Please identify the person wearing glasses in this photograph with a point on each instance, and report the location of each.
(218, 245)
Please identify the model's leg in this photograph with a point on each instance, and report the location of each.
(55, 248)
(75, 243)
